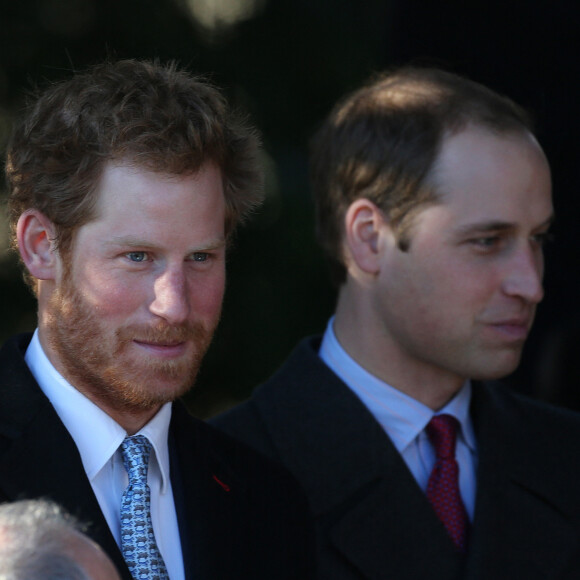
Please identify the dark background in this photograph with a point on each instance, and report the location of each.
(286, 62)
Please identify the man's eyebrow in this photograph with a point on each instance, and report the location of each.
(496, 226)
(125, 241)
(135, 242)
(484, 227)
(211, 245)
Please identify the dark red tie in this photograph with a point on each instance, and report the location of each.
(443, 485)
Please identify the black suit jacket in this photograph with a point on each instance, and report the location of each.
(240, 515)
(372, 519)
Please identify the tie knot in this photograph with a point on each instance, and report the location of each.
(442, 432)
(136, 451)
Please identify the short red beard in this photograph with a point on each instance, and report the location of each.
(93, 361)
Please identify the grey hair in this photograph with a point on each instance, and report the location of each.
(33, 542)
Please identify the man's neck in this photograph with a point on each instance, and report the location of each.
(375, 350)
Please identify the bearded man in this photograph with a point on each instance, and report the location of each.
(125, 183)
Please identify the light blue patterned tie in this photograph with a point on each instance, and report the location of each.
(137, 538)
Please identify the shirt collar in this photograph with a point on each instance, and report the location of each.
(459, 408)
(98, 443)
(402, 417)
(157, 431)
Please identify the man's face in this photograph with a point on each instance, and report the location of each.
(460, 302)
(138, 299)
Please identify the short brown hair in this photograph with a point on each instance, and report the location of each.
(150, 114)
(380, 143)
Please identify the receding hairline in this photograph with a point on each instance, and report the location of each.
(414, 87)
(517, 134)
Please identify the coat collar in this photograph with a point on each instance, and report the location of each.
(38, 457)
(337, 448)
(361, 491)
(527, 510)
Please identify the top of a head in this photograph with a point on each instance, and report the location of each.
(34, 542)
(145, 113)
(380, 142)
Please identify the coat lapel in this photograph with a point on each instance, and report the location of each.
(370, 510)
(523, 526)
(361, 491)
(391, 532)
(209, 501)
(38, 457)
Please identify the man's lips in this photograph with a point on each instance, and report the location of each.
(162, 348)
(513, 328)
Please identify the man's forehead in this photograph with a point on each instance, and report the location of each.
(479, 157)
(142, 209)
(484, 181)
(127, 177)
(472, 140)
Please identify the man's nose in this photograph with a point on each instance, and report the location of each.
(524, 274)
(171, 297)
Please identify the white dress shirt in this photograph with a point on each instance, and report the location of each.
(98, 437)
(404, 419)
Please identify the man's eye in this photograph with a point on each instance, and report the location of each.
(200, 256)
(543, 238)
(137, 256)
(487, 242)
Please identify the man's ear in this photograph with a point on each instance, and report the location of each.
(35, 234)
(364, 224)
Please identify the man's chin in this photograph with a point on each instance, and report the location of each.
(151, 396)
(495, 372)
(146, 386)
